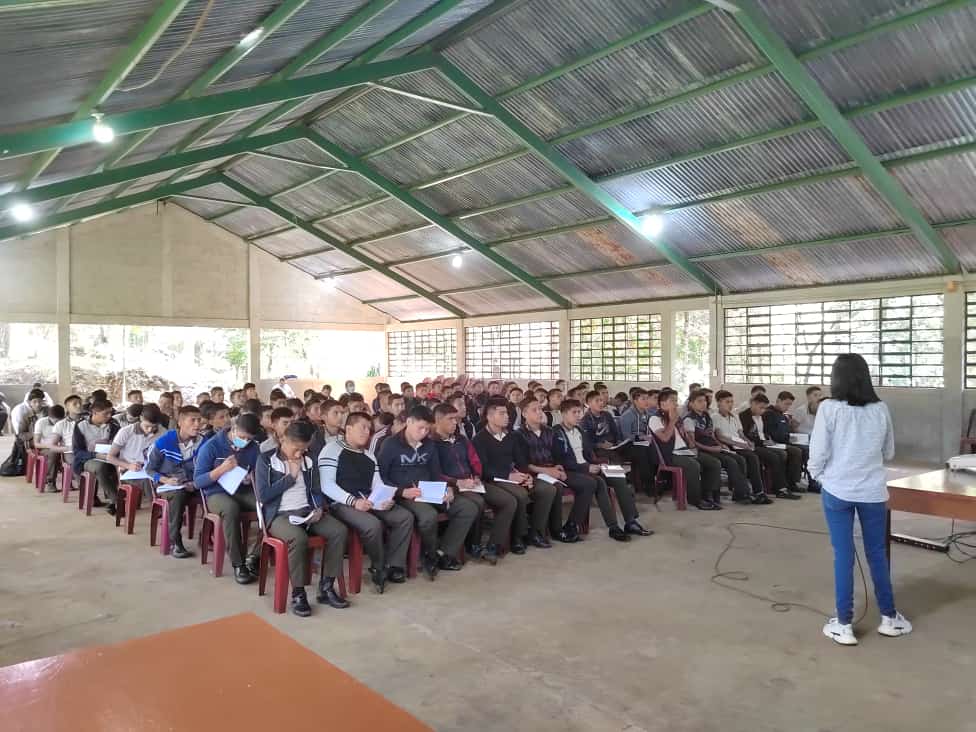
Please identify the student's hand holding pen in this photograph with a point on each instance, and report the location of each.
(411, 493)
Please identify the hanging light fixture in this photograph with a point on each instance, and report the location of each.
(652, 224)
(251, 38)
(101, 131)
(22, 212)
(329, 283)
(457, 261)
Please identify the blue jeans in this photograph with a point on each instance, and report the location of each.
(840, 523)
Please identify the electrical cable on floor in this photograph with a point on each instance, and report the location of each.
(779, 606)
(955, 541)
(197, 27)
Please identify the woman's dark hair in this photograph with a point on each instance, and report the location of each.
(850, 381)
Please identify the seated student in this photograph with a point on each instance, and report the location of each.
(406, 391)
(277, 398)
(203, 396)
(778, 424)
(536, 453)
(575, 454)
(700, 433)
(554, 397)
(753, 426)
(65, 428)
(383, 403)
(399, 422)
(599, 425)
(514, 394)
(280, 419)
(326, 391)
(421, 392)
(297, 407)
(287, 484)
(253, 406)
(169, 462)
(633, 426)
(250, 390)
(96, 429)
(132, 442)
(307, 393)
(22, 420)
(134, 396)
(207, 410)
(47, 440)
(349, 474)
(356, 403)
(235, 447)
(380, 389)
(702, 472)
(217, 394)
(497, 449)
(728, 431)
(404, 461)
(542, 396)
(264, 417)
(381, 428)
(397, 404)
(350, 386)
(462, 470)
(130, 415)
(747, 404)
(177, 401)
(37, 385)
(805, 415)
(466, 425)
(165, 404)
(620, 403)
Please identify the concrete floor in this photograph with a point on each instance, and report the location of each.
(596, 636)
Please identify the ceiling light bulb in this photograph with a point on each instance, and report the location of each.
(329, 283)
(652, 224)
(102, 132)
(252, 37)
(22, 212)
(457, 261)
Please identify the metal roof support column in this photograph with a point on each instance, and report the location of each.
(754, 23)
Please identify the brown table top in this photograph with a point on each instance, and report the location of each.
(954, 482)
(946, 493)
(237, 673)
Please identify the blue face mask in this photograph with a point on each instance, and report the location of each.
(239, 442)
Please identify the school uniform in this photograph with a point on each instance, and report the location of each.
(496, 453)
(600, 428)
(217, 500)
(574, 452)
(170, 457)
(459, 460)
(403, 466)
(700, 425)
(774, 460)
(805, 419)
(633, 426)
(536, 448)
(702, 472)
(86, 435)
(346, 474)
(44, 432)
(133, 445)
(281, 496)
(730, 428)
(777, 427)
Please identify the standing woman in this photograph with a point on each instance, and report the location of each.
(851, 439)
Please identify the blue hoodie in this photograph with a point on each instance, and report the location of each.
(213, 452)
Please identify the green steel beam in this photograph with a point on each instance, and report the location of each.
(341, 273)
(577, 178)
(127, 60)
(437, 219)
(479, 288)
(310, 229)
(757, 26)
(224, 64)
(294, 161)
(466, 108)
(78, 133)
(74, 186)
(65, 218)
(396, 298)
(212, 199)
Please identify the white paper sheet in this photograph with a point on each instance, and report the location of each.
(432, 491)
(613, 471)
(621, 444)
(102, 448)
(546, 478)
(163, 488)
(231, 480)
(382, 494)
(135, 475)
(299, 520)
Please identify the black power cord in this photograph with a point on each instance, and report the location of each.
(779, 606)
(955, 541)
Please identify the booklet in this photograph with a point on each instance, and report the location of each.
(432, 491)
(546, 478)
(135, 475)
(163, 488)
(299, 520)
(479, 488)
(621, 444)
(505, 481)
(102, 448)
(232, 479)
(381, 494)
(613, 471)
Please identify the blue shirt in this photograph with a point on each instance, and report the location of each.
(212, 453)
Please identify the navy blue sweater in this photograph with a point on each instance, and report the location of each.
(213, 452)
(403, 466)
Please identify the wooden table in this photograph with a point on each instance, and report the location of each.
(237, 673)
(945, 493)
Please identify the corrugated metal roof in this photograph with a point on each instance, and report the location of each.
(741, 110)
(598, 247)
(268, 176)
(441, 25)
(369, 285)
(659, 66)
(556, 211)
(415, 309)
(936, 51)
(373, 221)
(645, 284)
(746, 167)
(829, 208)
(325, 195)
(439, 274)
(963, 243)
(427, 241)
(514, 299)
(251, 221)
(942, 188)
(900, 256)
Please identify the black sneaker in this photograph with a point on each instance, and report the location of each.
(634, 528)
(378, 576)
(569, 534)
(474, 551)
(299, 603)
(396, 575)
(429, 563)
(242, 576)
(490, 554)
(618, 534)
(251, 564)
(761, 499)
(178, 551)
(328, 595)
(449, 564)
(788, 495)
(518, 547)
(706, 506)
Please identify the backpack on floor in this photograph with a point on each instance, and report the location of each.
(16, 462)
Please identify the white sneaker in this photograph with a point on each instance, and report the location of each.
(840, 633)
(894, 627)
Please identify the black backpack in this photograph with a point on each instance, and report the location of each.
(16, 462)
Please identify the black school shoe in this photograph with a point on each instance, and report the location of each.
(178, 551)
(635, 529)
(429, 563)
(707, 506)
(618, 534)
(761, 499)
(396, 575)
(569, 534)
(252, 565)
(449, 564)
(328, 595)
(813, 486)
(538, 540)
(788, 495)
(242, 576)
(518, 547)
(299, 603)
(475, 551)
(490, 554)
(378, 577)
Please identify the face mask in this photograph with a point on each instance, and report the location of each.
(239, 442)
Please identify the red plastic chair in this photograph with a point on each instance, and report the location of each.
(87, 491)
(40, 471)
(127, 501)
(679, 487)
(159, 512)
(67, 476)
(32, 456)
(275, 552)
(212, 535)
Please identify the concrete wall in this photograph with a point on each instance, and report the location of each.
(159, 264)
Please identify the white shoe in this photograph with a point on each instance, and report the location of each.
(894, 627)
(840, 633)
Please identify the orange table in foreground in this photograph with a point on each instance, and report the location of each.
(237, 674)
(945, 493)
